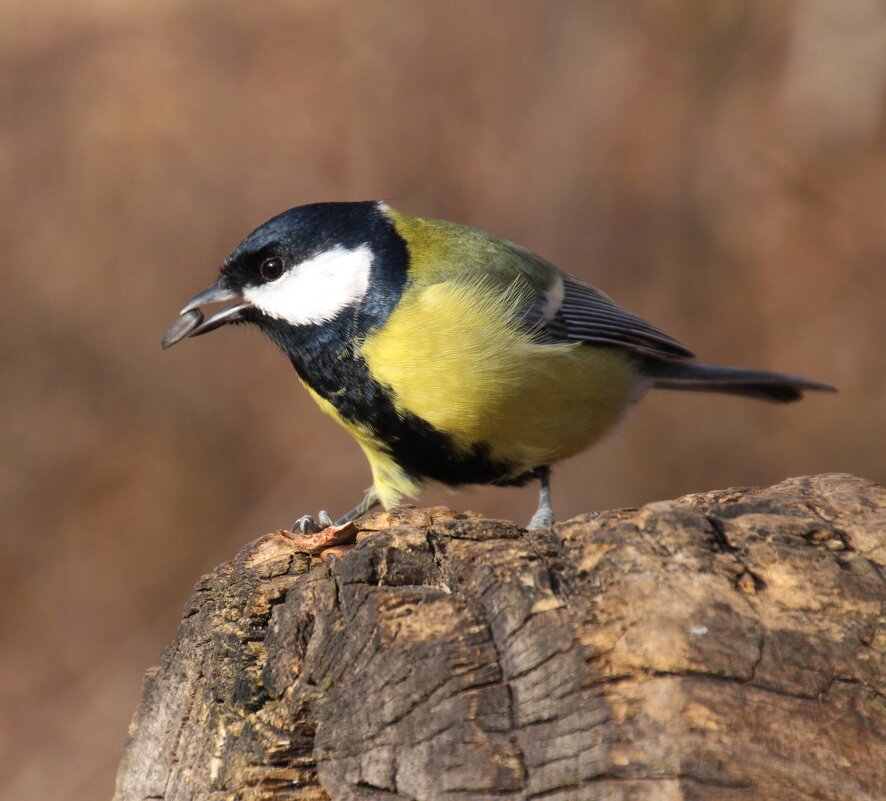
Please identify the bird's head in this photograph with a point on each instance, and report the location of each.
(304, 267)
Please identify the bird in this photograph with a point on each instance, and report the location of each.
(449, 354)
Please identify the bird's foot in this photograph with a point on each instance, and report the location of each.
(306, 524)
(543, 518)
(328, 542)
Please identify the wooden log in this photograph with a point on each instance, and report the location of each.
(726, 646)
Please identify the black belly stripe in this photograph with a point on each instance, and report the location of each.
(324, 359)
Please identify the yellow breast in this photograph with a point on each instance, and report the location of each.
(452, 354)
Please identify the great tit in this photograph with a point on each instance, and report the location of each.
(450, 355)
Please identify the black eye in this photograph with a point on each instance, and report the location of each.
(271, 269)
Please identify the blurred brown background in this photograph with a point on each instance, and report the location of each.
(718, 167)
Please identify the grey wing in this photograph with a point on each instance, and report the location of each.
(579, 313)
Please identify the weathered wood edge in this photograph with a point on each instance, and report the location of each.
(726, 645)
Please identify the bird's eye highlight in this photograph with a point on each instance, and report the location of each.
(271, 269)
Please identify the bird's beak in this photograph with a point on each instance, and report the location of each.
(191, 323)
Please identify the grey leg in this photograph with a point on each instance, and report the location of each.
(544, 515)
(306, 524)
(370, 501)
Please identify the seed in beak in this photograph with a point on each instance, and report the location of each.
(183, 326)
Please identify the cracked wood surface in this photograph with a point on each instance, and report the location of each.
(725, 646)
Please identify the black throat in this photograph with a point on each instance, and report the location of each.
(323, 354)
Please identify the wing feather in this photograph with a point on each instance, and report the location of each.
(587, 315)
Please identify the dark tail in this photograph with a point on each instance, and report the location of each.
(774, 387)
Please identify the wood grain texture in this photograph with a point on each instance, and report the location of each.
(725, 646)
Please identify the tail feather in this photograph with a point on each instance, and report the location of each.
(693, 377)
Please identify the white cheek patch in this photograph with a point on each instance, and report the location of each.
(316, 290)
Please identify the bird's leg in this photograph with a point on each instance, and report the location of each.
(544, 515)
(326, 539)
(307, 524)
(370, 501)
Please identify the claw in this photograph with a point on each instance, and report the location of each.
(304, 525)
(307, 525)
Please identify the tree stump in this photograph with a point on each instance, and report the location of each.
(725, 646)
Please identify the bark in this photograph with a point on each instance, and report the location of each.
(725, 646)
